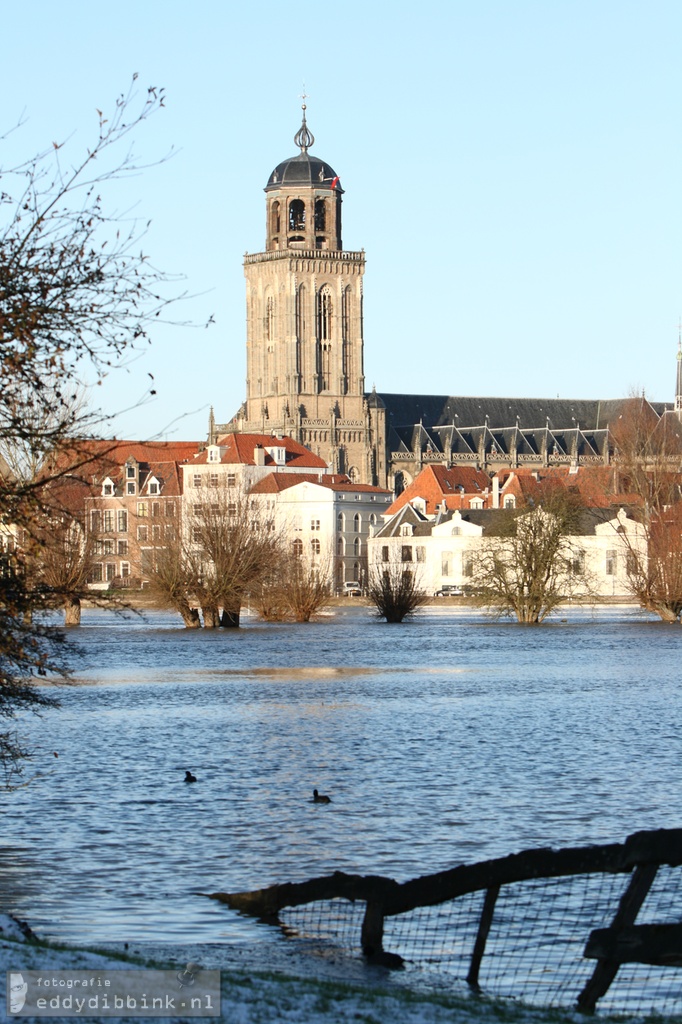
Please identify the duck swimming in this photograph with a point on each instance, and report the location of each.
(189, 777)
(320, 798)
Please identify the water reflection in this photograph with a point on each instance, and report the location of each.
(448, 740)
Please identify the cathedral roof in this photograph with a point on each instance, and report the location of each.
(432, 411)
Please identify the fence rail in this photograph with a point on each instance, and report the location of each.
(564, 918)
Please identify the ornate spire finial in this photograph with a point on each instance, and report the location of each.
(304, 138)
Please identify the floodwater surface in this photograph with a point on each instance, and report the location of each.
(446, 740)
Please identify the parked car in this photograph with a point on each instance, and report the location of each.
(449, 591)
(351, 589)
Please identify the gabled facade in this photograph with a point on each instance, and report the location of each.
(224, 472)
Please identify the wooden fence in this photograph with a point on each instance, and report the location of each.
(623, 941)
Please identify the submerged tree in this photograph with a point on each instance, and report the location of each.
(300, 584)
(655, 569)
(226, 549)
(395, 589)
(531, 565)
(173, 574)
(76, 292)
(648, 459)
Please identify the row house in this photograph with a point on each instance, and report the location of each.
(223, 476)
(133, 504)
(241, 460)
(139, 494)
(442, 549)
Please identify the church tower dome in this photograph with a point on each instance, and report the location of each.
(304, 200)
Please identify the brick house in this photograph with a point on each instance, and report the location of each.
(133, 501)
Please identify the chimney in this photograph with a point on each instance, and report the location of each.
(259, 455)
(496, 492)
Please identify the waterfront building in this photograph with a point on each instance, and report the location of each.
(131, 496)
(442, 549)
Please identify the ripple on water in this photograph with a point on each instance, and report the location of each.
(447, 740)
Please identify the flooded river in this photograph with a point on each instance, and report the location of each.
(449, 739)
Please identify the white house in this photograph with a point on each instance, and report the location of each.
(441, 549)
(327, 517)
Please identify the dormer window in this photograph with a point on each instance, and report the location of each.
(213, 453)
(278, 455)
(108, 489)
(406, 530)
(476, 503)
(153, 486)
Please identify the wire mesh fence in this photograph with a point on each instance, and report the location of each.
(521, 938)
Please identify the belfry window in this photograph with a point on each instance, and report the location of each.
(320, 215)
(274, 218)
(296, 215)
(348, 368)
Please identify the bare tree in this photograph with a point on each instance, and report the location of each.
(531, 565)
(172, 573)
(76, 292)
(648, 457)
(64, 559)
(655, 572)
(647, 454)
(305, 579)
(225, 550)
(395, 589)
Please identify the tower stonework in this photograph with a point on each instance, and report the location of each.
(304, 347)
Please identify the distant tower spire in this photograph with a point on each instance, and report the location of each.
(678, 386)
(304, 138)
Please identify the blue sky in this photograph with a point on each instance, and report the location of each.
(512, 170)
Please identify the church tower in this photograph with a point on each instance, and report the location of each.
(304, 346)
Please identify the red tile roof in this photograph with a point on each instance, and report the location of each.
(598, 486)
(274, 483)
(436, 484)
(239, 450)
(87, 463)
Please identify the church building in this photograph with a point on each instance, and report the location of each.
(304, 361)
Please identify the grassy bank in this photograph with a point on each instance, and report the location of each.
(265, 998)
